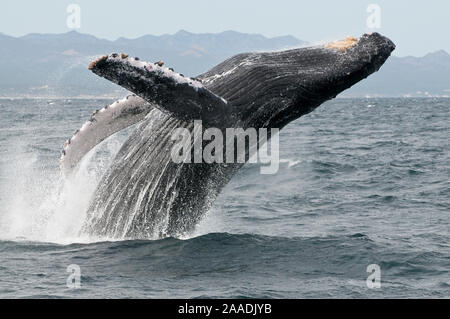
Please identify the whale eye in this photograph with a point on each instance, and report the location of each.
(136, 58)
(114, 55)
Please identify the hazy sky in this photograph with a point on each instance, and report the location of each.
(416, 26)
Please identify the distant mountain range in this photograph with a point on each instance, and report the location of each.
(56, 64)
(408, 76)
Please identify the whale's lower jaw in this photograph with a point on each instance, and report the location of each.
(145, 194)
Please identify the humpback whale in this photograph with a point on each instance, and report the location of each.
(144, 194)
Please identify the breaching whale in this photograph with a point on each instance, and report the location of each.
(145, 194)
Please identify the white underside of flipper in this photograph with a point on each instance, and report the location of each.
(103, 123)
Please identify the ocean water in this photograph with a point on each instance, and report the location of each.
(361, 182)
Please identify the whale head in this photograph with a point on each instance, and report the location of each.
(271, 89)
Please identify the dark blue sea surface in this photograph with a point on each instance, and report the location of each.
(361, 182)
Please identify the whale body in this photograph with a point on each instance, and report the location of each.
(145, 194)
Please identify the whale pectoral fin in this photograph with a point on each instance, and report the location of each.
(184, 97)
(102, 124)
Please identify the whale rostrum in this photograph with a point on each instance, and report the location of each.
(145, 194)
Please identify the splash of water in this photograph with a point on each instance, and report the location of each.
(38, 204)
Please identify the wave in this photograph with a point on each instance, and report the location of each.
(216, 264)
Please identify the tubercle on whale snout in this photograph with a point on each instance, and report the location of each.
(94, 63)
